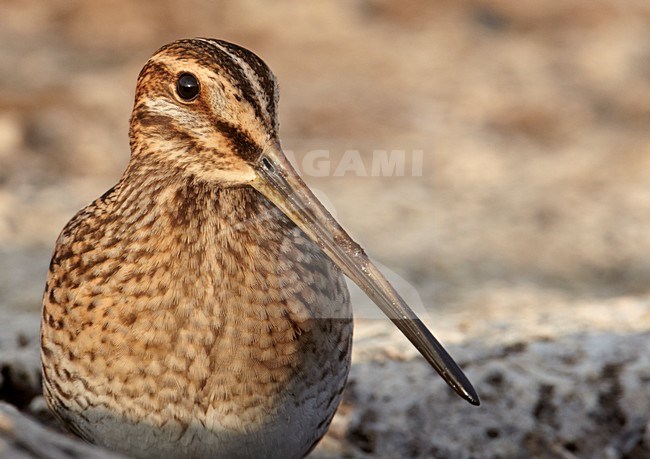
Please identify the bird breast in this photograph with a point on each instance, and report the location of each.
(199, 305)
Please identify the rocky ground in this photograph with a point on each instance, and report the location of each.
(524, 237)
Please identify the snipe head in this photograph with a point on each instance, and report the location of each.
(176, 319)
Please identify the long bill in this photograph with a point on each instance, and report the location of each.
(280, 183)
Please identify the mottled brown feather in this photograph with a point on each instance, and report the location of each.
(185, 315)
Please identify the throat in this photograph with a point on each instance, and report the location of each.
(195, 238)
(207, 259)
(192, 216)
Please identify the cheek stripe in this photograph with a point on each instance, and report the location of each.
(173, 122)
(239, 141)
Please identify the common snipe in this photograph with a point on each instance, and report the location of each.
(198, 308)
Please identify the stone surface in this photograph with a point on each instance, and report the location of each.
(583, 395)
(553, 384)
(23, 438)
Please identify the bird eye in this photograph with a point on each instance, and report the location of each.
(187, 87)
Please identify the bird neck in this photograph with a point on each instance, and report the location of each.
(173, 202)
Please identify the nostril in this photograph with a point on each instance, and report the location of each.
(267, 164)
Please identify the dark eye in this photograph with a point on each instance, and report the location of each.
(187, 86)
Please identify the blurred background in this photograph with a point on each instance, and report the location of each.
(533, 118)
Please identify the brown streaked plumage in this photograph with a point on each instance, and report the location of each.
(198, 308)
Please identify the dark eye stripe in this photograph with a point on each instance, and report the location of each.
(239, 141)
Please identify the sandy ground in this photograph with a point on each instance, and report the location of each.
(526, 225)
